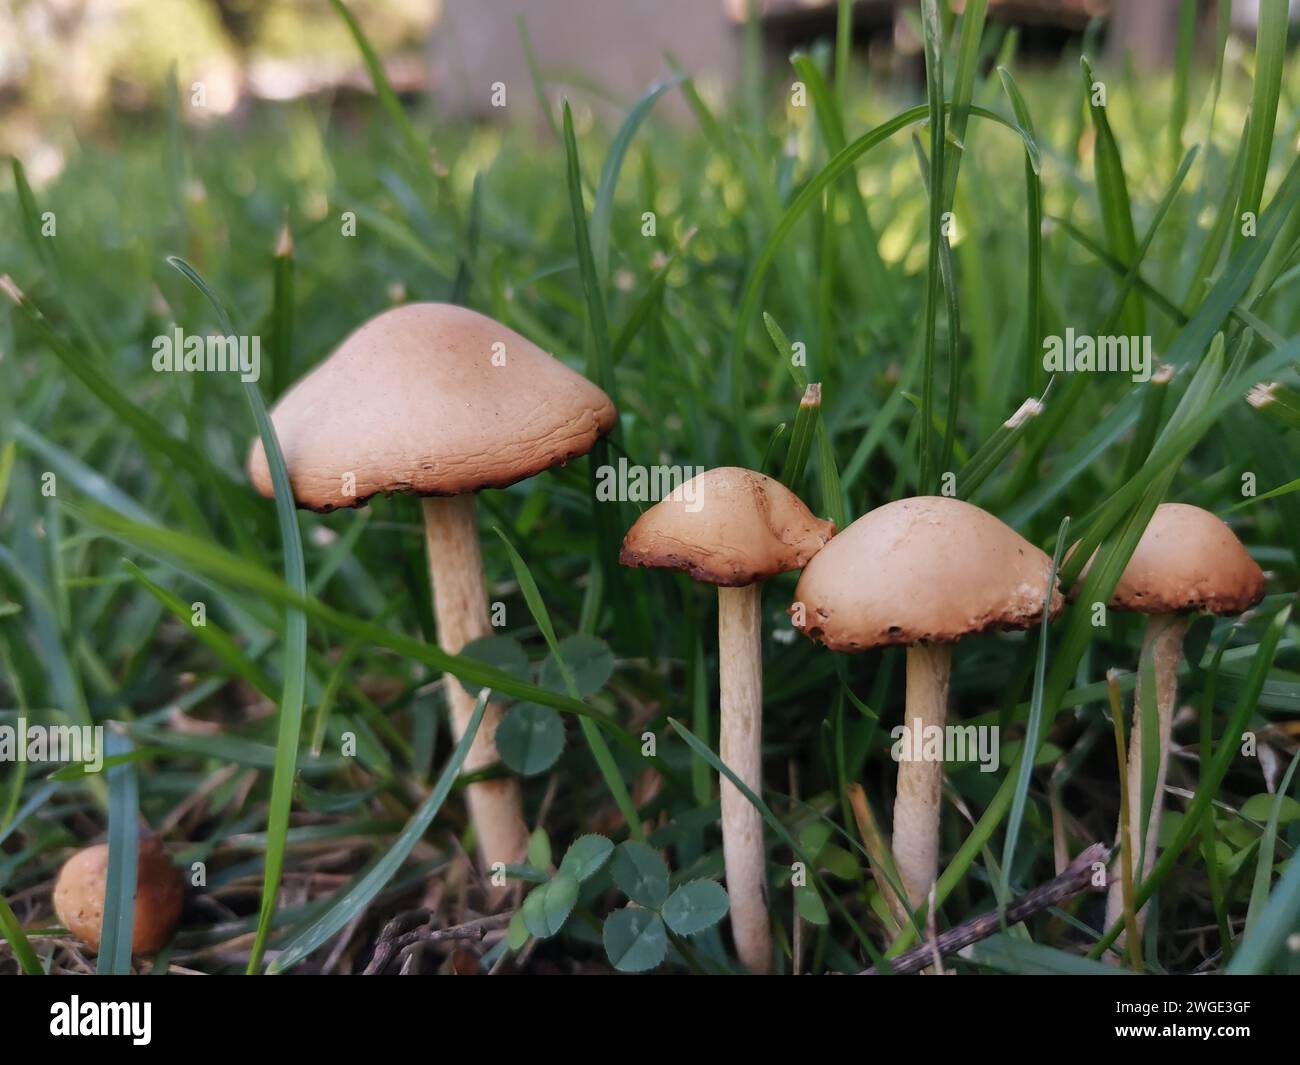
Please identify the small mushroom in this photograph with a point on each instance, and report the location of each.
(82, 885)
(440, 401)
(1188, 560)
(735, 528)
(921, 573)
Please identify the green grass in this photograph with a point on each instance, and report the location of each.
(814, 222)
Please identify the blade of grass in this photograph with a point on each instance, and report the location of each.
(1187, 12)
(44, 247)
(282, 312)
(599, 748)
(832, 492)
(1286, 489)
(1217, 238)
(1133, 939)
(932, 28)
(949, 284)
(86, 480)
(1270, 62)
(781, 831)
(830, 121)
(1191, 340)
(209, 633)
(701, 778)
(460, 288)
(1112, 192)
(153, 437)
(601, 369)
(416, 148)
(811, 193)
(1268, 849)
(1228, 749)
(353, 901)
(535, 76)
(119, 889)
(1276, 400)
(648, 300)
(1209, 841)
(1033, 730)
(12, 931)
(176, 548)
(843, 47)
(1011, 955)
(963, 88)
(805, 427)
(294, 668)
(1155, 389)
(602, 212)
(1033, 237)
(1276, 923)
(990, 454)
(8, 454)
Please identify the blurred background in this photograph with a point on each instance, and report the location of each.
(71, 68)
(248, 137)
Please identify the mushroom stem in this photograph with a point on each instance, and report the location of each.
(920, 779)
(1165, 632)
(460, 604)
(740, 675)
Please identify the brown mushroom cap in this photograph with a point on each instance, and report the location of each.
(82, 885)
(929, 568)
(727, 526)
(1187, 559)
(418, 400)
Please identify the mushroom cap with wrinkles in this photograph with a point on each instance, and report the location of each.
(924, 569)
(422, 399)
(727, 526)
(1187, 559)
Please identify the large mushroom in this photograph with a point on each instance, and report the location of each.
(921, 573)
(439, 401)
(1187, 560)
(735, 528)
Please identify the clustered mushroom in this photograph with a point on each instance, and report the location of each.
(442, 402)
(1187, 560)
(921, 573)
(735, 528)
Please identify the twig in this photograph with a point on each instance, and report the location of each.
(1076, 879)
(384, 945)
(399, 934)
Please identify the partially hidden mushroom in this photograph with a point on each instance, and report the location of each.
(735, 528)
(82, 886)
(439, 401)
(922, 573)
(1187, 561)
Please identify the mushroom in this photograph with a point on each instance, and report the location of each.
(439, 401)
(923, 573)
(735, 528)
(1187, 560)
(82, 885)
